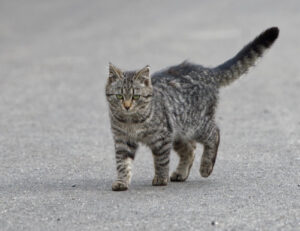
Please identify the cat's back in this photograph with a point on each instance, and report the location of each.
(186, 79)
(187, 91)
(186, 74)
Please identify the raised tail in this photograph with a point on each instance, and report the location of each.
(240, 63)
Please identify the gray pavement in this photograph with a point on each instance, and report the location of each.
(56, 149)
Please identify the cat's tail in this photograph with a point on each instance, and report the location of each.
(233, 68)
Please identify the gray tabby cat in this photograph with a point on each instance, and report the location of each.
(173, 108)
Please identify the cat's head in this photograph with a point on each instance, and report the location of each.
(128, 92)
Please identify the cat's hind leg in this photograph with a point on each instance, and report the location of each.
(185, 150)
(209, 136)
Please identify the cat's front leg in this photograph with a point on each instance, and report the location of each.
(125, 152)
(161, 149)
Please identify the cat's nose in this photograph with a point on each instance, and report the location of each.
(127, 104)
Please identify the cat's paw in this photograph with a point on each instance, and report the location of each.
(159, 181)
(119, 186)
(206, 168)
(178, 177)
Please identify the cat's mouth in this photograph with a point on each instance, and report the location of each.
(128, 112)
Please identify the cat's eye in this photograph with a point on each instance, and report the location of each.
(135, 97)
(119, 96)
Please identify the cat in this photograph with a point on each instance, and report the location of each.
(173, 108)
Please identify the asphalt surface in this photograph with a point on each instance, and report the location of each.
(56, 150)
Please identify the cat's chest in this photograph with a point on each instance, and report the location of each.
(133, 131)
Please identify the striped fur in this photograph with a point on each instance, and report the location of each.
(174, 108)
(240, 64)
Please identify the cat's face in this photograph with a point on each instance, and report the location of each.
(128, 92)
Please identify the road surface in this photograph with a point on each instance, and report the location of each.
(56, 150)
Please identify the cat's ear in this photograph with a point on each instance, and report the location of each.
(144, 75)
(114, 73)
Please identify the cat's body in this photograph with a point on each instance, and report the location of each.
(173, 108)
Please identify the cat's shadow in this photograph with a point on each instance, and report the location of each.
(95, 184)
(192, 184)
